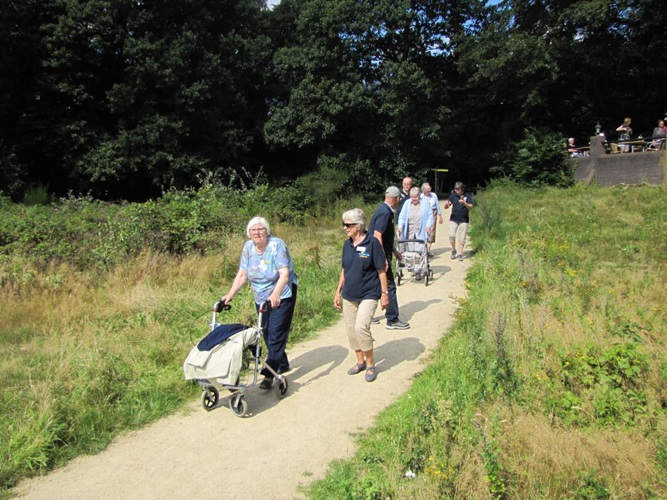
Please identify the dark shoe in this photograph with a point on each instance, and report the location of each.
(358, 368)
(266, 383)
(453, 254)
(461, 257)
(370, 374)
(398, 325)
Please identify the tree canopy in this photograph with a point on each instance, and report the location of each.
(123, 99)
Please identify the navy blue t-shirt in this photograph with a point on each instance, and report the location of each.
(459, 212)
(383, 222)
(360, 268)
(404, 197)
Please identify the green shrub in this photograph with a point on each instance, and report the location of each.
(37, 194)
(537, 159)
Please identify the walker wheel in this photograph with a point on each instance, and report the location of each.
(209, 398)
(398, 279)
(430, 274)
(426, 278)
(282, 387)
(238, 405)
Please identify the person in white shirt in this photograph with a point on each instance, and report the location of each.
(432, 198)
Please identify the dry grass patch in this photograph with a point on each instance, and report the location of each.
(544, 461)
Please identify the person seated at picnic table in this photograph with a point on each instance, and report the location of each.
(658, 135)
(572, 148)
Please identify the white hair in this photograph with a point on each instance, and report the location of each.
(258, 220)
(356, 216)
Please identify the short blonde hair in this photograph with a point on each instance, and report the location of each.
(258, 220)
(356, 216)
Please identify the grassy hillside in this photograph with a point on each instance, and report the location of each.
(552, 383)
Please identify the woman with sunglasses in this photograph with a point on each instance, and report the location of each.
(362, 283)
(267, 264)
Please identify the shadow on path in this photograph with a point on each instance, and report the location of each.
(391, 353)
(306, 369)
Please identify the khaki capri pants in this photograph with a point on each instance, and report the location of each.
(431, 237)
(458, 231)
(357, 317)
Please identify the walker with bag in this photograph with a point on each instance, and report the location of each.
(414, 259)
(217, 361)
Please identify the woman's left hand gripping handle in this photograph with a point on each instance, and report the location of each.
(221, 305)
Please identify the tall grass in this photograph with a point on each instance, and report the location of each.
(100, 305)
(551, 384)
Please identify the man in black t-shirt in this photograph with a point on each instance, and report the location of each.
(404, 195)
(382, 227)
(461, 204)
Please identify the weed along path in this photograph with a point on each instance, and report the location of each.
(284, 443)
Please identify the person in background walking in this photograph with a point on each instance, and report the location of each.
(362, 283)
(461, 204)
(405, 195)
(414, 223)
(382, 227)
(415, 219)
(432, 198)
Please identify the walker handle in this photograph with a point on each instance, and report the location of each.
(221, 306)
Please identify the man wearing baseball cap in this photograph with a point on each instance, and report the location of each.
(382, 227)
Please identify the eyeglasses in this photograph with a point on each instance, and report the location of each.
(348, 225)
(258, 230)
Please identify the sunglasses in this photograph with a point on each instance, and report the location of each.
(348, 225)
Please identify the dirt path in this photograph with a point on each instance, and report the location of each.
(284, 443)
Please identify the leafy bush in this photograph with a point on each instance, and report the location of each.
(37, 195)
(537, 159)
(85, 232)
(603, 387)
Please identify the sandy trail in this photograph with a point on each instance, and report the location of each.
(284, 443)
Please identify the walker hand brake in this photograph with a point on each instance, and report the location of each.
(221, 306)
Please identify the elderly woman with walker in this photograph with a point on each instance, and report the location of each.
(362, 283)
(267, 264)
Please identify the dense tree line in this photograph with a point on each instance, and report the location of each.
(126, 98)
